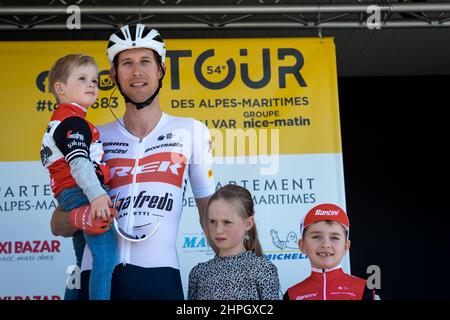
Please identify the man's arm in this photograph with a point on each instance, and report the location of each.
(60, 224)
(201, 204)
(65, 224)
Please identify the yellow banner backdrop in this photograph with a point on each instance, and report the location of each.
(252, 84)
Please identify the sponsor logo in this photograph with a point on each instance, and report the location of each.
(143, 211)
(105, 82)
(115, 147)
(165, 167)
(46, 153)
(42, 82)
(167, 136)
(31, 297)
(285, 256)
(165, 145)
(34, 246)
(342, 293)
(32, 250)
(119, 151)
(291, 241)
(196, 243)
(306, 296)
(75, 136)
(326, 212)
(115, 144)
(142, 200)
(76, 144)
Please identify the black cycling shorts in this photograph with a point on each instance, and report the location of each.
(131, 282)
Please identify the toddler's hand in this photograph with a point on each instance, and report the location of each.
(100, 208)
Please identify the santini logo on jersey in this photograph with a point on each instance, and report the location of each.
(166, 167)
(306, 296)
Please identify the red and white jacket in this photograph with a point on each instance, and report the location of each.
(331, 284)
(69, 136)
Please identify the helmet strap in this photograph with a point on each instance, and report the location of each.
(140, 105)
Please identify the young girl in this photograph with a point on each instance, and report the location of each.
(239, 271)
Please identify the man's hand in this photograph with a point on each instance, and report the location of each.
(60, 223)
(81, 218)
(100, 208)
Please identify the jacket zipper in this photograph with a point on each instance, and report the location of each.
(324, 285)
(130, 215)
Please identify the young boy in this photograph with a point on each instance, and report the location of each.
(324, 239)
(72, 153)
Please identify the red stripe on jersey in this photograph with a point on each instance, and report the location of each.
(166, 167)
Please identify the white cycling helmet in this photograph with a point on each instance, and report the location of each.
(133, 37)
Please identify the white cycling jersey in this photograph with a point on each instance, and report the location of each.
(149, 177)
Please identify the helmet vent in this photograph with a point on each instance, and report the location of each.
(146, 32)
(133, 33)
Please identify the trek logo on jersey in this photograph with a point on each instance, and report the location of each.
(165, 167)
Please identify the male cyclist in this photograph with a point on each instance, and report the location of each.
(152, 155)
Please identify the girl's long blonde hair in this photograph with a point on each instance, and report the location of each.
(241, 199)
